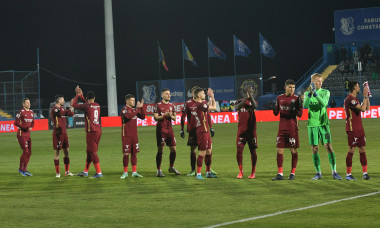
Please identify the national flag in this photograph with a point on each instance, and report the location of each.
(214, 51)
(240, 48)
(265, 48)
(187, 54)
(161, 58)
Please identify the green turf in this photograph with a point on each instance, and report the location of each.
(173, 201)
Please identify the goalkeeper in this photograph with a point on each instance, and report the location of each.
(316, 100)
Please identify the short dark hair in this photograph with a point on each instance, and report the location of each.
(164, 90)
(351, 85)
(194, 88)
(129, 96)
(57, 97)
(197, 90)
(90, 95)
(290, 82)
(23, 100)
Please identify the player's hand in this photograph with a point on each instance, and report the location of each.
(212, 132)
(30, 129)
(182, 134)
(210, 93)
(138, 105)
(168, 114)
(142, 102)
(365, 91)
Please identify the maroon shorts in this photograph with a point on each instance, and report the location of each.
(25, 143)
(130, 145)
(355, 140)
(167, 137)
(204, 141)
(60, 141)
(287, 139)
(93, 139)
(192, 140)
(244, 137)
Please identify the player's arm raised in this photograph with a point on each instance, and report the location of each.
(140, 109)
(363, 107)
(212, 103)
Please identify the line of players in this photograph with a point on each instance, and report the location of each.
(288, 105)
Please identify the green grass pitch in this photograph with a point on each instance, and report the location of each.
(180, 201)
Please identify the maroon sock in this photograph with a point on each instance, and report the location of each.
(253, 157)
(22, 161)
(208, 162)
(158, 160)
(125, 160)
(133, 159)
(294, 160)
(66, 161)
(26, 162)
(172, 157)
(363, 159)
(193, 160)
(199, 163)
(239, 156)
(349, 159)
(280, 160)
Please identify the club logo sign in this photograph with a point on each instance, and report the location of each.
(149, 93)
(251, 83)
(347, 26)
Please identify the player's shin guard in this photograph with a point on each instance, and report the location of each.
(134, 162)
(294, 162)
(253, 159)
(56, 165)
(193, 160)
(158, 160)
(317, 162)
(199, 163)
(208, 162)
(332, 161)
(349, 162)
(125, 162)
(66, 161)
(363, 161)
(172, 156)
(280, 160)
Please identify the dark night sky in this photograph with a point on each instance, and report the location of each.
(70, 35)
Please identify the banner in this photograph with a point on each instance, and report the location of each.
(224, 88)
(39, 125)
(148, 90)
(149, 108)
(191, 82)
(250, 80)
(176, 87)
(357, 24)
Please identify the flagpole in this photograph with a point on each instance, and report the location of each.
(234, 57)
(261, 69)
(208, 56)
(159, 67)
(183, 61)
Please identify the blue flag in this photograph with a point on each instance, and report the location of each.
(187, 55)
(240, 48)
(214, 51)
(265, 48)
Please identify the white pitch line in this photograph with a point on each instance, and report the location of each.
(288, 211)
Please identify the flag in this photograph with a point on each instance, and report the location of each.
(161, 58)
(265, 48)
(187, 55)
(215, 52)
(240, 48)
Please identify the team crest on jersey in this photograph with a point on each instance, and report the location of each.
(347, 26)
(149, 93)
(353, 102)
(293, 101)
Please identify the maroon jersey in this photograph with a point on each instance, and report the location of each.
(58, 116)
(247, 117)
(129, 120)
(161, 108)
(24, 120)
(91, 114)
(289, 108)
(353, 115)
(200, 117)
(189, 106)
